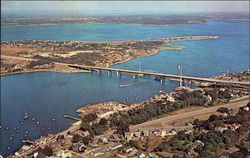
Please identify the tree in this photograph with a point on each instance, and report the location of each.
(236, 154)
(223, 110)
(89, 117)
(122, 128)
(103, 122)
(76, 138)
(47, 150)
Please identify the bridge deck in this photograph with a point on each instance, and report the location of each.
(164, 75)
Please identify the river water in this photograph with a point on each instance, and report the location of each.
(49, 95)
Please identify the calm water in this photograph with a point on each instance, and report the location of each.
(47, 95)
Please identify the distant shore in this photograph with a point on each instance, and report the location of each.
(88, 23)
(58, 61)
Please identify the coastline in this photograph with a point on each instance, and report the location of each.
(50, 138)
(54, 65)
(54, 24)
(75, 70)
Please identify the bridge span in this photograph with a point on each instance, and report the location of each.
(162, 76)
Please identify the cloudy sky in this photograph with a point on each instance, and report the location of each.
(129, 6)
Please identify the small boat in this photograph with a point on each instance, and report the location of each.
(25, 116)
(123, 85)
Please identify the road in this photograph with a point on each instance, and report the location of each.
(164, 75)
(233, 104)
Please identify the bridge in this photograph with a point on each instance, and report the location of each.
(162, 76)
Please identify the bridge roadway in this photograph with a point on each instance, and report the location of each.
(141, 73)
(162, 75)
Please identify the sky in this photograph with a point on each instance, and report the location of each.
(128, 6)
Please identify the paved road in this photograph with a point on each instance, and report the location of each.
(240, 102)
(202, 79)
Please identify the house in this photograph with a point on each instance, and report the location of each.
(129, 136)
(63, 153)
(103, 140)
(224, 115)
(145, 133)
(246, 108)
(79, 147)
(115, 146)
(221, 129)
(163, 133)
(114, 136)
(153, 155)
(39, 155)
(137, 134)
(128, 149)
(172, 132)
(97, 153)
(235, 126)
(156, 132)
(140, 154)
(132, 153)
(188, 131)
(196, 144)
(85, 133)
(170, 99)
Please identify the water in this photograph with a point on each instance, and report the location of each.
(48, 95)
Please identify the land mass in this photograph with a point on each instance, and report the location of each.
(43, 55)
(132, 19)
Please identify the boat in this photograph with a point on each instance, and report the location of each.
(123, 85)
(25, 116)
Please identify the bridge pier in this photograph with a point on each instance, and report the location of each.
(162, 81)
(135, 76)
(117, 74)
(109, 73)
(99, 72)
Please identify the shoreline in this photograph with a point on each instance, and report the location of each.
(87, 108)
(76, 71)
(52, 24)
(129, 56)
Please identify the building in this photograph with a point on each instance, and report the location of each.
(137, 134)
(115, 146)
(79, 147)
(103, 140)
(97, 153)
(145, 133)
(172, 132)
(221, 129)
(129, 136)
(163, 133)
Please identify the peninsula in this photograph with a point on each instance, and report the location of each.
(42, 55)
